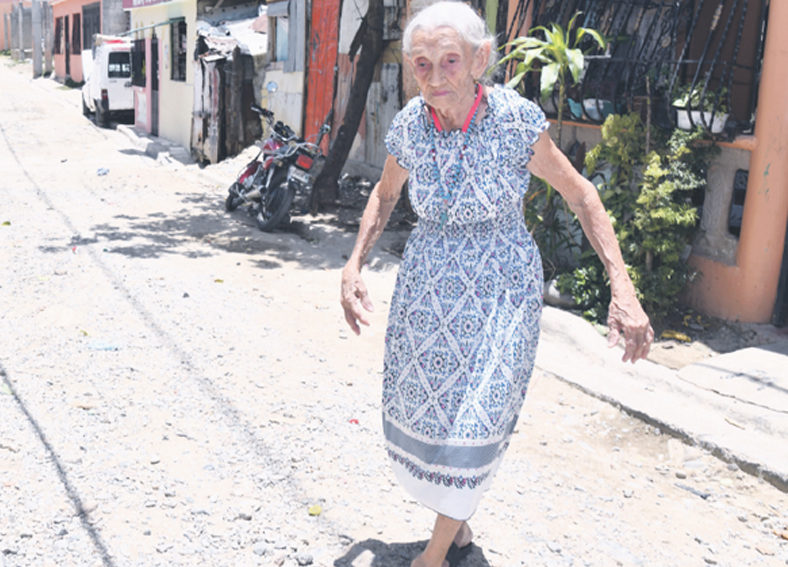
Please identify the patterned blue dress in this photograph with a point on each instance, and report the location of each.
(464, 319)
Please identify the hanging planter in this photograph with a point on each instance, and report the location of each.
(698, 118)
(693, 110)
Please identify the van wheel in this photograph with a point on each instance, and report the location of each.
(85, 109)
(101, 116)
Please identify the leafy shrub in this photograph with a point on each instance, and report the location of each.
(649, 197)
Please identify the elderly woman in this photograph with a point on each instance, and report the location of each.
(464, 319)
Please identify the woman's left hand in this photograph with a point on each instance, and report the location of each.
(626, 318)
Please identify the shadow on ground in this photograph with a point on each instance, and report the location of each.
(202, 228)
(375, 553)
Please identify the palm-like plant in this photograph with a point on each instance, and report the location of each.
(558, 56)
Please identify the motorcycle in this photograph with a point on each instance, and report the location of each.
(286, 165)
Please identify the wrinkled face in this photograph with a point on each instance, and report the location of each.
(445, 67)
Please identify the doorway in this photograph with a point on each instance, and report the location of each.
(154, 84)
(67, 37)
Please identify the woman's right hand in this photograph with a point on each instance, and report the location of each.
(355, 299)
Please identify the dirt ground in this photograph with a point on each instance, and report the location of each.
(179, 388)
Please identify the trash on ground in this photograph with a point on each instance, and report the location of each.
(101, 345)
(679, 336)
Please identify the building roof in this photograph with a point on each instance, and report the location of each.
(226, 28)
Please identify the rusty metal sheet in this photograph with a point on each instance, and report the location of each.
(323, 47)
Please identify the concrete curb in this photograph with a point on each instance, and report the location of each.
(731, 428)
(152, 146)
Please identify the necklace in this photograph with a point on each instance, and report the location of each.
(453, 175)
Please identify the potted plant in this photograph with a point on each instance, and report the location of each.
(693, 108)
(558, 56)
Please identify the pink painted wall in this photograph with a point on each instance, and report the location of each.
(143, 117)
(61, 9)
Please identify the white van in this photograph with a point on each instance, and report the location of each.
(107, 90)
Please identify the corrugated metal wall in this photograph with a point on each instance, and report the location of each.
(322, 64)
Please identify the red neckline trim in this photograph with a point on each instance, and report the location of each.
(468, 119)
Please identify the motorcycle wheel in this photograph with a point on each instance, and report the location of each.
(274, 207)
(233, 198)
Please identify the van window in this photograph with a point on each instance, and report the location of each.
(119, 66)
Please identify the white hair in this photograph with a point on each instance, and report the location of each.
(456, 15)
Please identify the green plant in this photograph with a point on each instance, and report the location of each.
(693, 98)
(558, 56)
(649, 197)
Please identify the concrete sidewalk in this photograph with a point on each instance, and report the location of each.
(735, 404)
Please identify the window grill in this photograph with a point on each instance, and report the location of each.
(76, 34)
(178, 50)
(91, 24)
(658, 51)
(138, 65)
(58, 45)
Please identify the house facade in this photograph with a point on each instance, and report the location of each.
(75, 24)
(285, 73)
(164, 36)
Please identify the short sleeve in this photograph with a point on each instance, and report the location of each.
(533, 123)
(519, 123)
(400, 131)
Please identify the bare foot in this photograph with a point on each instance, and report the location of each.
(464, 536)
(420, 562)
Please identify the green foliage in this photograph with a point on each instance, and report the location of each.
(617, 158)
(649, 198)
(588, 285)
(556, 54)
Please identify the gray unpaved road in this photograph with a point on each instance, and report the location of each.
(178, 389)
